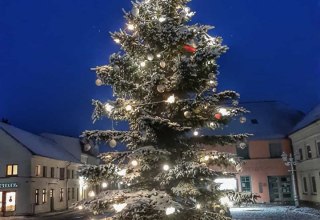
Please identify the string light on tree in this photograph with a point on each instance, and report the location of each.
(150, 57)
(143, 64)
(134, 163)
(117, 40)
(170, 210)
(99, 82)
(198, 206)
(158, 55)
(91, 193)
(206, 158)
(128, 108)
(171, 99)
(166, 167)
(224, 111)
(104, 185)
(130, 27)
(162, 19)
(119, 207)
(80, 207)
(108, 107)
(196, 133)
(122, 172)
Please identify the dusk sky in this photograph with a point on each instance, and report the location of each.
(47, 48)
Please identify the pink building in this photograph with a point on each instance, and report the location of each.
(264, 171)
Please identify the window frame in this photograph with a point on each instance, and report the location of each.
(44, 171)
(52, 172)
(300, 150)
(242, 178)
(36, 197)
(62, 174)
(305, 185)
(313, 182)
(61, 194)
(37, 171)
(12, 173)
(318, 147)
(272, 145)
(308, 152)
(44, 196)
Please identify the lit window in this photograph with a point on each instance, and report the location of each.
(44, 196)
(245, 183)
(309, 153)
(12, 170)
(314, 185)
(61, 194)
(36, 199)
(37, 171)
(44, 171)
(52, 172)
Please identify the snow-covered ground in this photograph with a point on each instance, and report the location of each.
(275, 212)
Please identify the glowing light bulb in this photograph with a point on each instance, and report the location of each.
(128, 108)
(119, 207)
(206, 158)
(104, 185)
(134, 163)
(162, 19)
(158, 55)
(196, 133)
(122, 172)
(117, 40)
(171, 99)
(108, 107)
(166, 167)
(80, 207)
(198, 206)
(143, 64)
(232, 160)
(91, 194)
(170, 210)
(187, 9)
(130, 27)
(211, 82)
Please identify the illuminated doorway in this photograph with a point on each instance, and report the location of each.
(7, 203)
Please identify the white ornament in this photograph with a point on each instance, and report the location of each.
(134, 163)
(198, 206)
(163, 64)
(116, 68)
(128, 108)
(243, 120)
(130, 27)
(187, 114)
(161, 88)
(135, 11)
(87, 147)
(166, 167)
(113, 143)
(108, 107)
(174, 69)
(211, 75)
(150, 57)
(170, 210)
(99, 82)
(119, 207)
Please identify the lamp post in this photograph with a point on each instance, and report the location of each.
(290, 161)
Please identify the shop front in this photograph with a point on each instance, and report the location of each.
(8, 194)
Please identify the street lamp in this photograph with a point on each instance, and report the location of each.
(290, 161)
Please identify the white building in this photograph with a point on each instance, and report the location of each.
(306, 144)
(39, 173)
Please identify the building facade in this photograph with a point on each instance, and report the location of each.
(37, 173)
(306, 144)
(264, 172)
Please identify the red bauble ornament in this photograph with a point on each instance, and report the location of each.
(189, 48)
(218, 116)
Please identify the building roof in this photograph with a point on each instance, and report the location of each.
(39, 145)
(310, 118)
(266, 120)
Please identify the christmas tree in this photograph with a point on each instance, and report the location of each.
(165, 83)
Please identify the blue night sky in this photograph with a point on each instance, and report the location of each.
(47, 48)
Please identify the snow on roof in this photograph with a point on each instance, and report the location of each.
(311, 117)
(266, 120)
(40, 145)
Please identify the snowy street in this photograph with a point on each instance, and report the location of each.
(275, 212)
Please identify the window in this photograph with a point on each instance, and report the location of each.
(62, 173)
(72, 193)
(305, 187)
(44, 171)
(318, 148)
(38, 170)
(245, 183)
(12, 170)
(275, 150)
(68, 174)
(36, 199)
(61, 194)
(314, 184)
(243, 153)
(69, 194)
(72, 174)
(309, 153)
(52, 172)
(44, 196)
(300, 154)
(77, 194)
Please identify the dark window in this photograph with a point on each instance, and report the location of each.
(314, 184)
(72, 174)
(318, 148)
(44, 196)
(254, 121)
(275, 150)
(62, 174)
(305, 187)
(245, 183)
(309, 153)
(300, 154)
(69, 194)
(77, 194)
(52, 172)
(36, 198)
(72, 193)
(61, 194)
(68, 174)
(243, 153)
(44, 171)
(12, 170)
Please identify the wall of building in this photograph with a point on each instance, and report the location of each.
(308, 167)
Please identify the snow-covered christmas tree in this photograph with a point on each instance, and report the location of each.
(165, 83)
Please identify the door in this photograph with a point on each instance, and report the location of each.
(51, 201)
(280, 189)
(8, 203)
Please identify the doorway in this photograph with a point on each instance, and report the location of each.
(7, 203)
(51, 201)
(280, 189)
